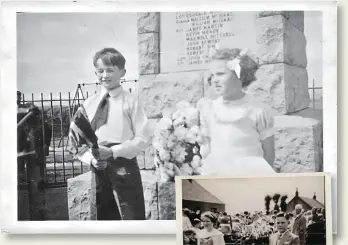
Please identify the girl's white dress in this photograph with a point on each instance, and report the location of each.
(213, 237)
(236, 129)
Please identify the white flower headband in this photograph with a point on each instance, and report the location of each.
(233, 65)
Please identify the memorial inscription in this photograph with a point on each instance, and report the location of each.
(200, 31)
(194, 33)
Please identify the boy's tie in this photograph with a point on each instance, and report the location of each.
(101, 114)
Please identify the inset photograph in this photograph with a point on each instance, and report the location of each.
(275, 210)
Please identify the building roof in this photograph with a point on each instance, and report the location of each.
(192, 191)
(310, 201)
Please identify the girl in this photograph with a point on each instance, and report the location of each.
(238, 129)
(209, 235)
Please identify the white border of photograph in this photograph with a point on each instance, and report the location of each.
(327, 193)
(8, 152)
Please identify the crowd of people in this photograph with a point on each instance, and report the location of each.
(302, 227)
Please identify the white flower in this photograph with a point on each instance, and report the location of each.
(186, 169)
(177, 114)
(164, 155)
(179, 153)
(195, 129)
(199, 170)
(172, 140)
(179, 121)
(165, 123)
(193, 134)
(168, 165)
(180, 133)
(196, 162)
(191, 116)
(157, 144)
(161, 139)
(195, 150)
(181, 105)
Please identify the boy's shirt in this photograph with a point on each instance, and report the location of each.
(127, 124)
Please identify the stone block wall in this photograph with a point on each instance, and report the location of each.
(281, 82)
(148, 42)
(159, 197)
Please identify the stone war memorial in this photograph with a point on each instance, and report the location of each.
(173, 67)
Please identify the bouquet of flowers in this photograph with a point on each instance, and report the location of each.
(257, 232)
(177, 142)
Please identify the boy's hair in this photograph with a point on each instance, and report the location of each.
(110, 56)
(282, 214)
(248, 66)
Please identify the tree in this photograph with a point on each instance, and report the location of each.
(283, 205)
(267, 203)
(276, 200)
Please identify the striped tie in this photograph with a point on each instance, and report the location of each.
(101, 114)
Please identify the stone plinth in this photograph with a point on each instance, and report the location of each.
(280, 41)
(80, 196)
(284, 88)
(161, 92)
(295, 17)
(299, 142)
(148, 46)
(148, 22)
(166, 200)
(150, 186)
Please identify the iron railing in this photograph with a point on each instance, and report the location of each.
(58, 111)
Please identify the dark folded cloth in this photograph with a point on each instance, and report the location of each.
(81, 134)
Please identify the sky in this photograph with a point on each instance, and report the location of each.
(55, 51)
(242, 194)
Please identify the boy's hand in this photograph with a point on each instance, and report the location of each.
(103, 153)
(99, 165)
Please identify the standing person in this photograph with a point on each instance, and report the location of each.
(283, 235)
(238, 129)
(197, 225)
(19, 99)
(316, 232)
(119, 122)
(186, 222)
(291, 219)
(300, 224)
(209, 235)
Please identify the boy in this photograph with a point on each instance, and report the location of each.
(283, 236)
(120, 124)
